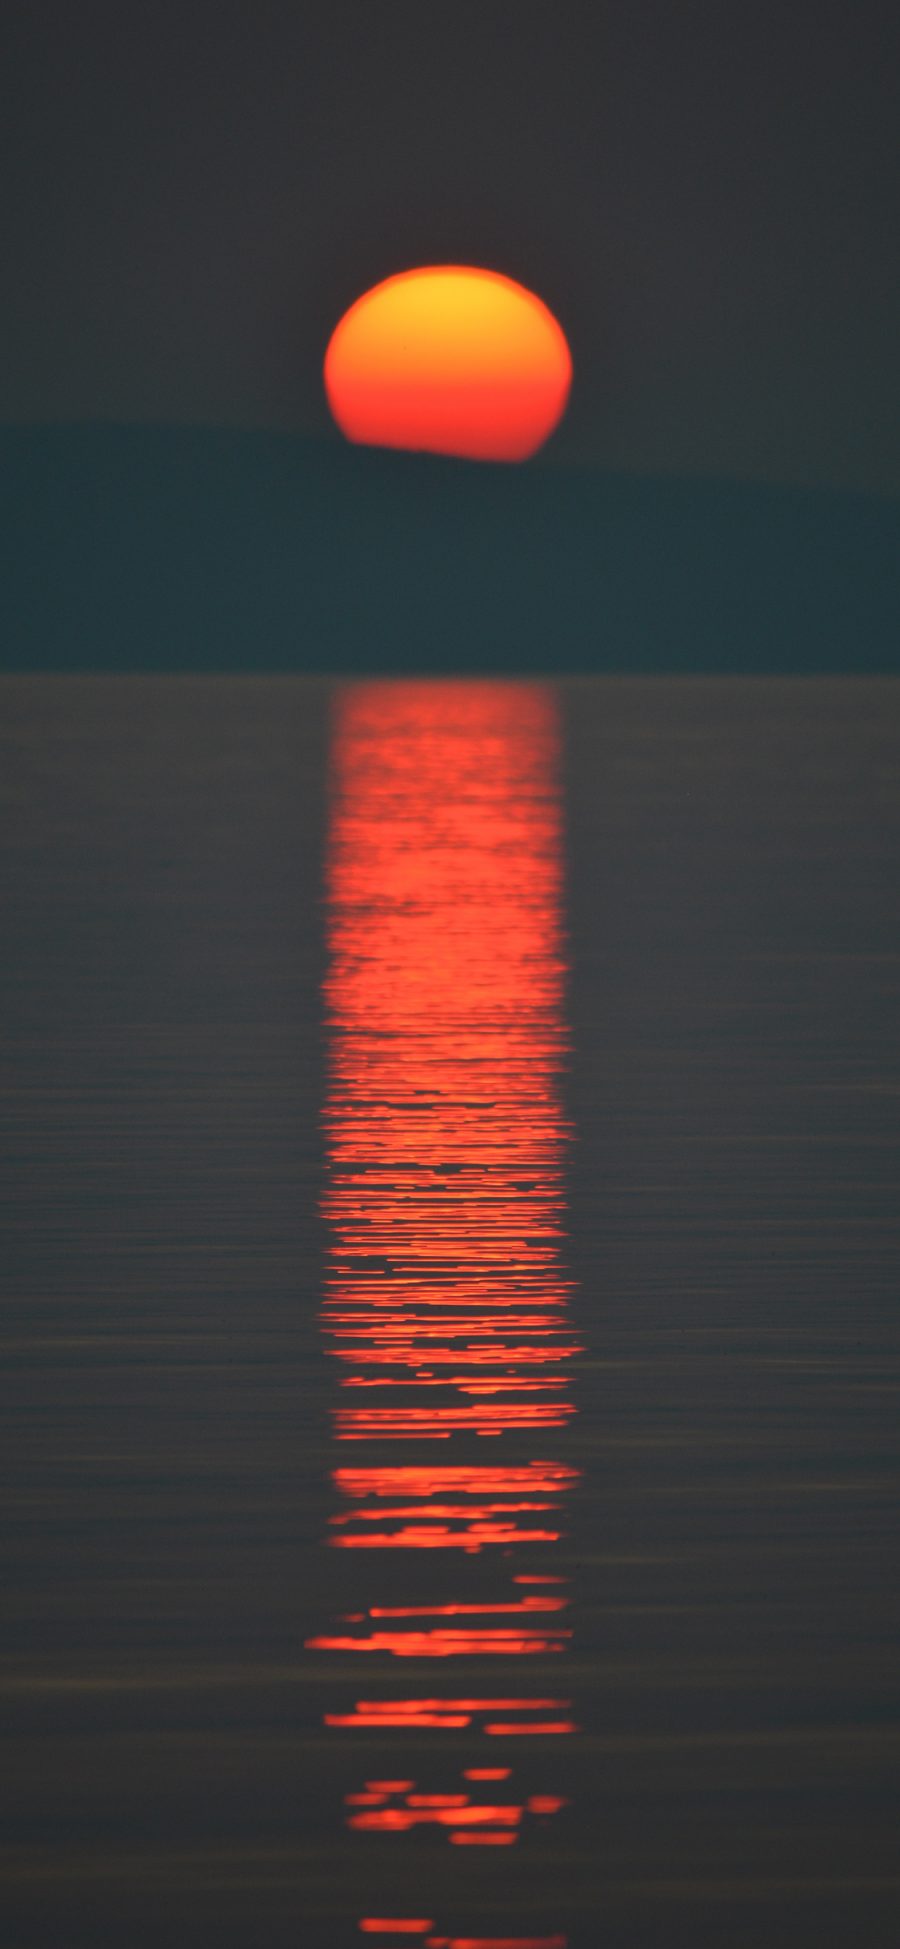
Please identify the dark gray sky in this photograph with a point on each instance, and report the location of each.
(706, 191)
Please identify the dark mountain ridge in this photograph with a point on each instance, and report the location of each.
(135, 548)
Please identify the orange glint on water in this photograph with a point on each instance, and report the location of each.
(449, 359)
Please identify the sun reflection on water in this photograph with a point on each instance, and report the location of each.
(445, 1305)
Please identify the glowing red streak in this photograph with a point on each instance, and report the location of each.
(470, 1610)
(462, 1705)
(466, 1386)
(437, 1800)
(484, 1840)
(382, 1925)
(399, 1820)
(404, 1325)
(433, 1720)
(549, 1477)
(435, 1509)
(496, 1942)
(447, 1644)
(472, 1539)
(452, 1713)
(438, 1424)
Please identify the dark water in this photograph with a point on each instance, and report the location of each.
(450, 1329)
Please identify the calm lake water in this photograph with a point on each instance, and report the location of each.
(450, 1335)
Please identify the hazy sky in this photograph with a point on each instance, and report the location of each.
(707, 194)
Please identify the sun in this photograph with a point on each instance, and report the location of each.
(449, 359)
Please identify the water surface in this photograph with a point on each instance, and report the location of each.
(450, 1325)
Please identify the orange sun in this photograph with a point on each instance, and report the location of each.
(449, 360)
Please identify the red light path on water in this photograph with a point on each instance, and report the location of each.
(494, 1499)
(446, 1294)
(443, 1124)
